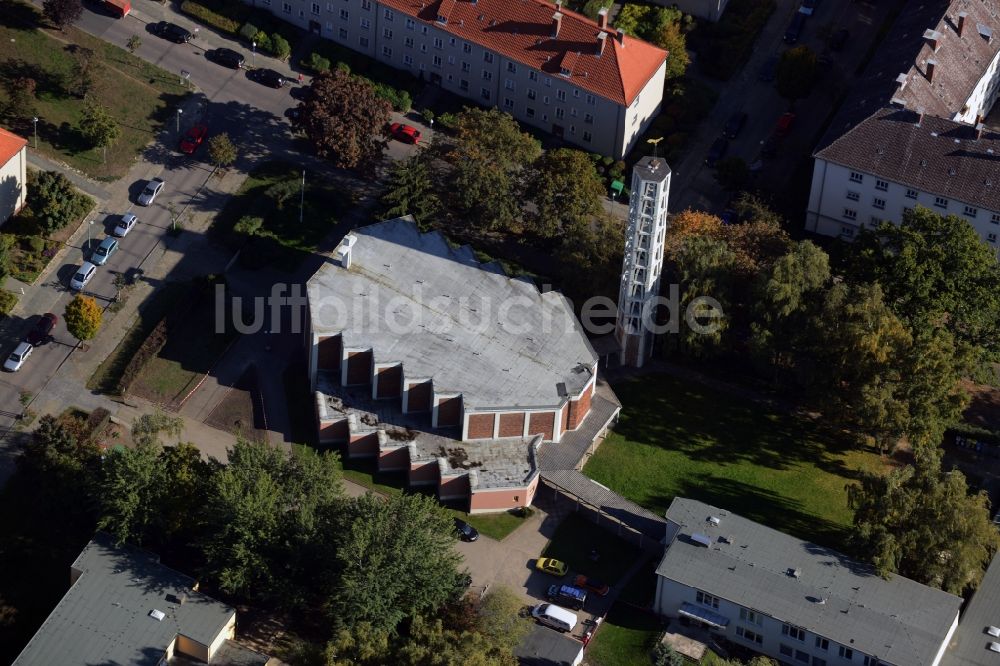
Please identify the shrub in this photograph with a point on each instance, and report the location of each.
(447, 120)
(8, 300)
(35, 244)
(263, 41)
(343, 67)
(400, 99)
(55, 201)
(149, 348)
(280, 47)
(248, 225)
(427, 115)
(95, 424)
(317, 63)
(209, 17)
(249, 31)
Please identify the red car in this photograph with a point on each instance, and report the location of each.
(784, 125)
(194, 138)
(405, 133)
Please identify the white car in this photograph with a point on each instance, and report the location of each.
(127, 222)
(82, 276)
(17, 357)
(153, 189)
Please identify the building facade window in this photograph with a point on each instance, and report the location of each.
(438, 43)
(706, 599)
(366, 24)
(850, 214)
(488, 57)
(366, 5)
(487, 75)
(508, 103)
(587, 136)
(801, 656)
(750, 616)
(408, 42)
(911, 194)
(466, 67)
(881, 185)
(485, 93)
(531, 94)
(508, 84)
(845, 653)
(591, 100)
(991, 238)
(344, 14)
(878, 203)
(410, 24)
(751, 636)
(971, 211)
(853, 196)
(463, 84)
(588, 118)
(530, 112)
(856, 177)
(315, 8)
(940, 202)
(408, 60)
(363, 41)
(818, 661)
(437, 61)
(386, 51)
(387, 14)
(875, 220)
(387, 33)
(545, 100)
(560, 114)
(822, 643)
(533, 76)
(792, 631)
(785, 650)
(343, 33)
(286, 7)
(561, 95)
(512, 68)
(466, 47)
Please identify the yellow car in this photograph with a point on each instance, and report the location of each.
(550, 566)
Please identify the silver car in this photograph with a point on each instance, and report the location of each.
(104, 251)
(153, 189)
(82, 276)
(127, 222)
(18, 357)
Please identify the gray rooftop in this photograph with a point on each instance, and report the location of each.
(898, 620)
(446, 319)
(544, 647)
(104, 617)
(968, 646)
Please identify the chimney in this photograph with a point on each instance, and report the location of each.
(620, 36)
(920, 115)
(602, 40)
(980, 128)
(556, 22)
(933, 39)
(931, 64)
(961, 23)
(602, 18)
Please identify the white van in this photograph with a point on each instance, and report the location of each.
(554, 616)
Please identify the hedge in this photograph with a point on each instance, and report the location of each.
(210, 18)
(149, 348)
(400, 99)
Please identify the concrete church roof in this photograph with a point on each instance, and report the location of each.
(413, 298)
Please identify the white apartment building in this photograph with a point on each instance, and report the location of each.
(896, 160)
(795, 601)
(911, 131)
(550, 68)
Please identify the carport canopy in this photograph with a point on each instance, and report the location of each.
(703, 615)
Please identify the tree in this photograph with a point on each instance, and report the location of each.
(344, 119)
(280, 47)
(83, 317)
(670, 38)
(665, 655)
(395, 560)
(706, 268)
(249, 225)
(187, 481)
(592, 7)
(732, 173)
(99, 127)
(598, 245)
(81, 77)
(430, 643)
(644, 21)
(491, 157)
(133, 44)
(934, 268)
(146, 429)
(265, 513)
(222, 151)
(65, 467)
(412, 190)
(566, 191)
(54, 201)
(133, 484)
(923, 523)
(500, 622)
(62, 12)
(20, 98)
(796, 72)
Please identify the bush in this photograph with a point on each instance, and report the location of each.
(343, 67)
(317, 63)
(149, 348)
(210, 18)
(55, 202)
(34, 244)
(249, 31)
(263, 41)
(447, 120)
(96, 422)
(8, 300)
(400, 99)
(248, 225)
(280, 47)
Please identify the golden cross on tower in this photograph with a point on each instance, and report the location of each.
(655, 143)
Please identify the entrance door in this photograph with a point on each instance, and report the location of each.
(314, 26)
(558, 130)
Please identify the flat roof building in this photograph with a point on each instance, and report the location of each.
(124, 607)
(444, 367)
(973, 641)
(793, 600)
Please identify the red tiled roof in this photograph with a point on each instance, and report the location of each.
(10, 145)
(521, 30)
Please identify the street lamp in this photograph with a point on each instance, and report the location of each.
(179, 112)
(35, 120)
(254, 61)
(89, 225)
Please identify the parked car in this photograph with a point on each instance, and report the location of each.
(82, 276)
(784, 125)
(42, 330)
(404, 133)
(226, 57)
(567, 596)
(104, 251)
(268, 77)
(153, 189)
(794, 30)
(598, 587)
(717, 151)
(193, 138)
(808, 7)
(172, 32)
(770, 69)
(551, 566)
(126, 224)
(734, 125)
(839, 39)
(17, 357)
(466, 532)
(560, 619)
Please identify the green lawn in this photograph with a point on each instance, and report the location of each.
(494, 525)
(272, 192)
(141, 96)
(680, 439)
(625, 638)
(574, 540)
